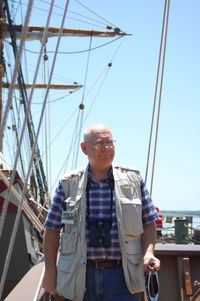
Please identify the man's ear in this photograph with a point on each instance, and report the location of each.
(84, 147)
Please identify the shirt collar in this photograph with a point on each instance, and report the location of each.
(108, 177)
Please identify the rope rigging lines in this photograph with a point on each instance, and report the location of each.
(81, 108)
(74, 144)
(162, 50)
(28, 118)
(100, 22)
(34, 158)
(5, 206)
(34, 146)
(27, 108)
(79, 51)
(17, 64)
(97, 15)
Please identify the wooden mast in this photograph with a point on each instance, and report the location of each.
(9, 30)
(44, 86)
(35, 32)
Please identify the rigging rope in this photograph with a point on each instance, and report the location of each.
(11, 245)
(160, 94)
(13, 120)
(27, 118)
(81, 106)
(100, 87)
(4, 210)
(49, 138)
(72, 12)
(109, 65)
(18, 56)
(38, 169)
(52, 68)
(5, 206)
(60, 131)
(81, 51)
(73, 141)
(59, 98)
(64, 165)
(71, 147)
(155, 93)
(29, 168)
(46, 133)
(94, 13)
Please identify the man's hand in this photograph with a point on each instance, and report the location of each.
(151, 261)
(148, 243)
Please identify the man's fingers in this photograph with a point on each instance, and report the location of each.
(151, 264)
(157, 264)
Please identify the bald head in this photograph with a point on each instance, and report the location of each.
(93, 129)
(99, 148)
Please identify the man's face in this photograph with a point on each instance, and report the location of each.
(99, 148)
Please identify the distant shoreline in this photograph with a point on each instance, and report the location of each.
(180, 212)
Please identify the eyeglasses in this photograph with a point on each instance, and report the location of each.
(101, 143)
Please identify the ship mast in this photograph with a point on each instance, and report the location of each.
(9, 30)
(38, 169)
(36, 32)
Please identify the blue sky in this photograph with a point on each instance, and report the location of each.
(125, 100)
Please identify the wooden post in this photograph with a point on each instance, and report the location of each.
(183, 295)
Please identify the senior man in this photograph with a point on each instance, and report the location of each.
(107, 219)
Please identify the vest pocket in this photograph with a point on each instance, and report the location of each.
(66, 277)
(132, 216)
(133, 250)
(69, 242)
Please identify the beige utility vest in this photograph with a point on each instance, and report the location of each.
(71, 269)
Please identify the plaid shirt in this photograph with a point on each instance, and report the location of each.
(99, 205)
